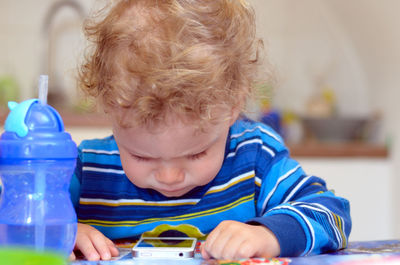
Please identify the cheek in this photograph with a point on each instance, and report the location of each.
(206, 171)
(136, 172)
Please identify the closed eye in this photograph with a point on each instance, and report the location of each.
(197, 156)
(140, 158)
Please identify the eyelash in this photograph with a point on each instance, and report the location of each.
(197, 156)
(140, 159)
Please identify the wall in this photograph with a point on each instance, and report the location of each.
(24, 46)
(310, 51)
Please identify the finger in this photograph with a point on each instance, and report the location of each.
(72, 256)
(220, 237)
(204, 253)
(207, 246)
(246, 249)
(84, 244)
(113, 249)
(101, 245)
(232, 247)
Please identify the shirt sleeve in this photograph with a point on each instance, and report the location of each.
(303, 214)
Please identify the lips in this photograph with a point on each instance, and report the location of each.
(172, 192)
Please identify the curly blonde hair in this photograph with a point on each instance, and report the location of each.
(151, 58)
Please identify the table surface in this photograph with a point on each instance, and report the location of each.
(368, 252)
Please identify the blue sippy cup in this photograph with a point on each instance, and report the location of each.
(37, 160)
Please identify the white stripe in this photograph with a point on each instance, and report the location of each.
(255, 128)
(258, 180)
(287, 207)
(296, 189)
(268, 150)
(244, 143)
(330, 219)
(245, 175)
(104, 152)
(276, 186)
(133, 201)
(320, 208)
(103, 170)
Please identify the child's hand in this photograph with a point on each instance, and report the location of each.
(93, 244)
(234, 240)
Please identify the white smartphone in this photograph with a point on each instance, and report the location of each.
(164, 247)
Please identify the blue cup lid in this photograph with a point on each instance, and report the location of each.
(35, 131)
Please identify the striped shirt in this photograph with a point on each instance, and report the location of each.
(258, 183)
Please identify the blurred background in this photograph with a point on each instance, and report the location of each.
(334, 100)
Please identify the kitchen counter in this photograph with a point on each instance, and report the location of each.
(338, 149)
(74, 119)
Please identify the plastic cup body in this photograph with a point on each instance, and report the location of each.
(35, 207)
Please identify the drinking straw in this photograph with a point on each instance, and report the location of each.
(43, 88)
(40, 180)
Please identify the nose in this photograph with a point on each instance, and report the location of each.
(169, 175)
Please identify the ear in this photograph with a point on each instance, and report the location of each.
(235, 112)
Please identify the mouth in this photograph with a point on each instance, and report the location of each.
(173, 192)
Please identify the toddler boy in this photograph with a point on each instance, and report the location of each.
(174, 76)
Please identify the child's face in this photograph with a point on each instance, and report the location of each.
(174, 159)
